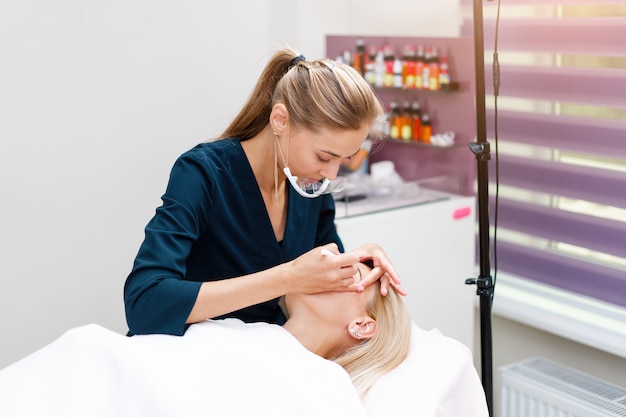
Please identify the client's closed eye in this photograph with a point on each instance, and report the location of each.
(358, 277)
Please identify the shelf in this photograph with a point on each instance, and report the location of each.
(455, 88)
(449, 110)
(422, 144)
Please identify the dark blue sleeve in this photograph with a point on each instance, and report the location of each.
(157, 298)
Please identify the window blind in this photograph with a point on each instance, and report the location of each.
(561, 141)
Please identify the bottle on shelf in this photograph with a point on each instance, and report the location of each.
(433, 70)
(380, 69)
(397, 73)
(444, 74)
(370, 66)
(426, 128)
(389, 61)
(420, 61)
(405, 122)
(347, 57)
(359, 57)
(408, 69)
(426, 69)
(416, 121)
(393, 120)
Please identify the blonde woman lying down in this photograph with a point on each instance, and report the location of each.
(221, 367)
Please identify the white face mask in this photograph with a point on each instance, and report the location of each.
(307, 188)
(315, 189)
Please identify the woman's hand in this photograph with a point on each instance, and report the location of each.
(324, 269)
(383, 269)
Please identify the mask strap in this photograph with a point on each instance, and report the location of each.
(280, 149)
(275, 170)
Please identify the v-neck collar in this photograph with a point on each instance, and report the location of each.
(258, 215)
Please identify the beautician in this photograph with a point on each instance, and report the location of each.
(245, 217)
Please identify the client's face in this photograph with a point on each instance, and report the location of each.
(335, 307)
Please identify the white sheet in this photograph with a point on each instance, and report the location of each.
(219, 368)
(438, 379)
(227, 368)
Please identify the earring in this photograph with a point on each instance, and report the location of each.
(356, 333)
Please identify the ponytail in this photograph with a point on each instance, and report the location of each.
(255, 114)
(317, 94)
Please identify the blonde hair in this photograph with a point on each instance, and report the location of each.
(317, 94)
(374, 357)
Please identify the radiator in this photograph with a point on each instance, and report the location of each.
(540, 388)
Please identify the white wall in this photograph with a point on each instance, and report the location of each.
(97, 99)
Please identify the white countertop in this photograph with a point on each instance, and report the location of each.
(386, 198)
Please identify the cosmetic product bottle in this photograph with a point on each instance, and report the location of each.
(393, 120)
(426, 128)
(359, 56)
(416, 121)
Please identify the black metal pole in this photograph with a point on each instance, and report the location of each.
(481, 150)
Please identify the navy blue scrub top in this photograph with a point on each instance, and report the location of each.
(213, 225)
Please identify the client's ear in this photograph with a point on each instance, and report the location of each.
(362, 328)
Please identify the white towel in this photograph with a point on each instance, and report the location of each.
(437, 379)
(218, 368)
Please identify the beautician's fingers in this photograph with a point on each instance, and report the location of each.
(323, 269)
(382, 261)
(372, 276)
(385, 281)
(379, 258)
(396, 287)
(347, 264)
(384, 284)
